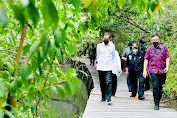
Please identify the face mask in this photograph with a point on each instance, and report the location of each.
(135, 51)
(155, 44)
(106, 41)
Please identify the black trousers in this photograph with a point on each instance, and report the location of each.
(146, 83)
(135, 76)
(114, 84)
(157, 82)
(92, 59)
(105, 78)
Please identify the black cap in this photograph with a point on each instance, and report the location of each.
(130, 43)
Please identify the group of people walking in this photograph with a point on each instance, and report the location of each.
(140, 63)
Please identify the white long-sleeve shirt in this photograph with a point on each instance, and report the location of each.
(105, 56)
(116, 64)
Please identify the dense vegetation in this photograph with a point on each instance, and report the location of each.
(37, 35)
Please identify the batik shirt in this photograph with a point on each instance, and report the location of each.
(157, 58)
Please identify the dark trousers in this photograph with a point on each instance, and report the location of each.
(129, 83)
(105, 78)
(114, 84)
(135, 76)
(92, 59)
(146, 83)
(157, 82)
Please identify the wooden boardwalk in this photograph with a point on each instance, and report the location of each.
(123, 106)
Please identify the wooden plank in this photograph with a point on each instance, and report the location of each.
(123, 106)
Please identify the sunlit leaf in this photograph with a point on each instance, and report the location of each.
(49, 13)
(87, 3)
(2, 90)
(25, 70)
(121, 3)
(24, 2)
(76, 3)
(9, 114)
(61, 91)
(57, 37)
(10, 67)
(34, 47)
(3, 16)
(26, 49)
(18, 10)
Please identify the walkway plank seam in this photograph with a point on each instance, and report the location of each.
(122, 107)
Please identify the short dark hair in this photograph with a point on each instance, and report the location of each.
(107, 33)
(130, 43)
(141, 37)
(156, 34)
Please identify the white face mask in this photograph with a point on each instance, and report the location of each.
(135, 51)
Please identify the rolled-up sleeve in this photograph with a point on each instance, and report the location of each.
(166, 52)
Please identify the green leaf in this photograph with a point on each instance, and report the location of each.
(50, 14)
(58, 51)
(61, 91)
(40, 57)
(72, 88)
(121, 3)
(57, 37)
(83, 73)
(133, 3)
(10, 67)
(54, 89)
(13, 87)
(87, 3)
(76, 3)
(34, 64)
(24, 2)
(2, 90)
(67, 89)
(45, 47)
(34, 47)
(9, 114)
(32, 13)
(3, 16)
(76, 81)
(25, 70)
(26, 49)
(52, 114)
(149, 15)
(18, 10)
(1, 62)
(19, 81)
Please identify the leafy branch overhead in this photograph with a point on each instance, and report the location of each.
(37, 36)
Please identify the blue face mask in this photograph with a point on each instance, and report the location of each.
(106, 41)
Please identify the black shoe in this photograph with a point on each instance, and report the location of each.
(141, 97)
(132, 95)
(156, 106)
(102, 100)
(109, 102)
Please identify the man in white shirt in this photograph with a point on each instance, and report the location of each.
(105, 59)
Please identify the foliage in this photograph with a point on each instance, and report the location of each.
(46, 31)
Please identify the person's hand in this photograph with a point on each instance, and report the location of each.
(125, 59)
(145, 74)
(95, 66)
(120, 71)
(126, 73)
(166, 70)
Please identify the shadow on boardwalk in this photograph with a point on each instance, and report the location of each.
(123, 106)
